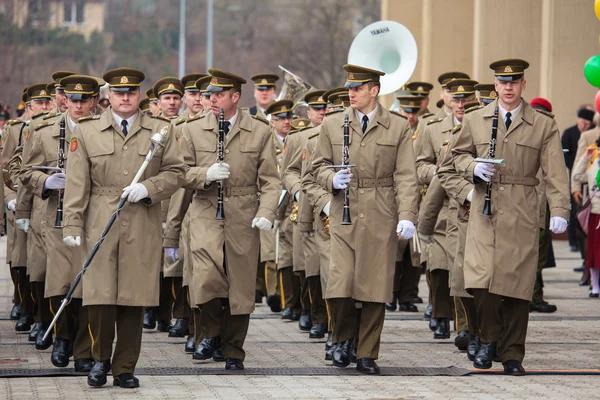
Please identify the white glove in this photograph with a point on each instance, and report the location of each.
(55, 181)
(326, 208)
(261, 223)
(558, 225)
(12, 205)
(276, 224)
(427, 239)
(72, 241)
(470, 196)
(22, 224)
(217, 172)
(341, 179)
(405, 229)
(307, 234)
(297, 196)
(484, 171)
(172, 253)
(135, 193)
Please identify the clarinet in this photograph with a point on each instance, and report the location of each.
(61, 164)
(220, 148)
(345, 161)
(487, 204)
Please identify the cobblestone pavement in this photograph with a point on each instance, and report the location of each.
(565, 340)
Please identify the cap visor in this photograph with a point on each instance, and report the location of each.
(78, 96)
(509, 78)
(124, 88)
(349, 84)
(215, 89)
(410, 110)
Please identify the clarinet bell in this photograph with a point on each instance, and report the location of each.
(346, 217)
(59, 218)
(487, 208)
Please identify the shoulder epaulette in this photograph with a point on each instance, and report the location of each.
(434, 121)
(196, 117)
(456, 128)
(333, 112)
(245, 109)
(473, 109)
(39, 115)
(181, 120)
(44, 124)
(88, 118)
(261, 119)
(426, 115)
(398, 114)
(546, 113)
(161, 118)
(51, 114)
(14, 121)
(314, 134)
(293, 131)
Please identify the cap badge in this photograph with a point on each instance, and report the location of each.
(350, 75)
(508, 69)
(420, 88)
(170, 86)
(124, 79)
(301, 124)
(461, 89)
(214, 81)
(264, 82)
(78, 87)
(43, 92)
(320, 98)
(493, 94)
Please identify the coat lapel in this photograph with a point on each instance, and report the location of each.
(380, 118)
(242, 123)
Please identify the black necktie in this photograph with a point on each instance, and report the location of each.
(226, 126)
(365, 123)
(124, 127)
(508, 120)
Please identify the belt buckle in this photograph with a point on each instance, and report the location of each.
(501, 180)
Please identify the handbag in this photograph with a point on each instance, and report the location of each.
(583, 215)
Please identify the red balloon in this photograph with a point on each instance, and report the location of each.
(597, 101)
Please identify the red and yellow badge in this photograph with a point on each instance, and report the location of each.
(74, 144)
(285, 149)
(179, 137)
(27, 134)
(303, 155)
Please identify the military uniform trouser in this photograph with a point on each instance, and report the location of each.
(14, 277)
(304, 295)
(165, 301)
(466, 315)
(181, 304)
(440, 294)
(129, 323)
(289, 286)
(218, 321)
(545, 240)
(197, 326)
(261, 284)
(72, 325)
(23, 290)
(271, 281)
(41, 304)
(504, 320)
(406, 280)
(318, 309)
(364, 323)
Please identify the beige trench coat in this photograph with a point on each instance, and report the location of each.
(102, 161)
(63, 262)
(383, 190)
(501, 252)
(250, 153)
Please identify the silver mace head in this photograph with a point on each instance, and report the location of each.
(159, 138)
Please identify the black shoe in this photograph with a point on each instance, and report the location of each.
(542, 307)
(353, 355)
(341, 354)
(150, 318)
(24, 323)
(205, 349)
(594, 295)
(584, 283)
(218, 353)
(443, 329)
(329, 347)
(573, 249)
(274, 302)
(234, 364)
(462, 340)
(164, 326)
(317, 331)
(305, 322)
(581, 268)
(418, 300)
(428, 312)
(180, 328)
(84, 365)
(485, 356)
(15, 313)
(433, 324)
(40, 343)
(189, 345)
(258, 297)
(288, 314)
(407, 307)
(97, 375)
(126, 381)
(473, 348)
(296, 317)
(60, 353)
(514, 368)
(367, 366)
(34, 331)
(393, 304)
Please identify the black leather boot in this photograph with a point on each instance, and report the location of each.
(84, 365)
(180, 328)
(205, 349)
(485, 356)
(218, 353)
(341, 354)
(24, 323)
(150, 318)
(407, 307)
(126, 381)
(189, 345)
(15, 313)
(367, 366)
(329, 348)
(305, 322)
(462, 340)
(473, 348)
(391, 306)
(287, 314)
(34, 331)
(428, 311)
(274, 303)
(163, 325)
(317, 331)
(97, 375)
(234, 364)
(40, 343)
(60, 353)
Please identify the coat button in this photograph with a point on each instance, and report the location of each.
(500, 212)
(503, 165)
(361, 215)
(363, 144)
(501, 188)
(124, 223)
(125, 172)
(362, 168)
(505, 140)
(125, 147)
(361, 191)
(226, 199)
(226, 151)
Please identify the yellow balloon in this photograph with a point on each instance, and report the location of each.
(597, 8)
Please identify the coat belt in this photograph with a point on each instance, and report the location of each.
(374, 182)
(516, 180)
(107, 190)
(229, 191)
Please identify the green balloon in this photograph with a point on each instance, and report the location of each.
(591, 70)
